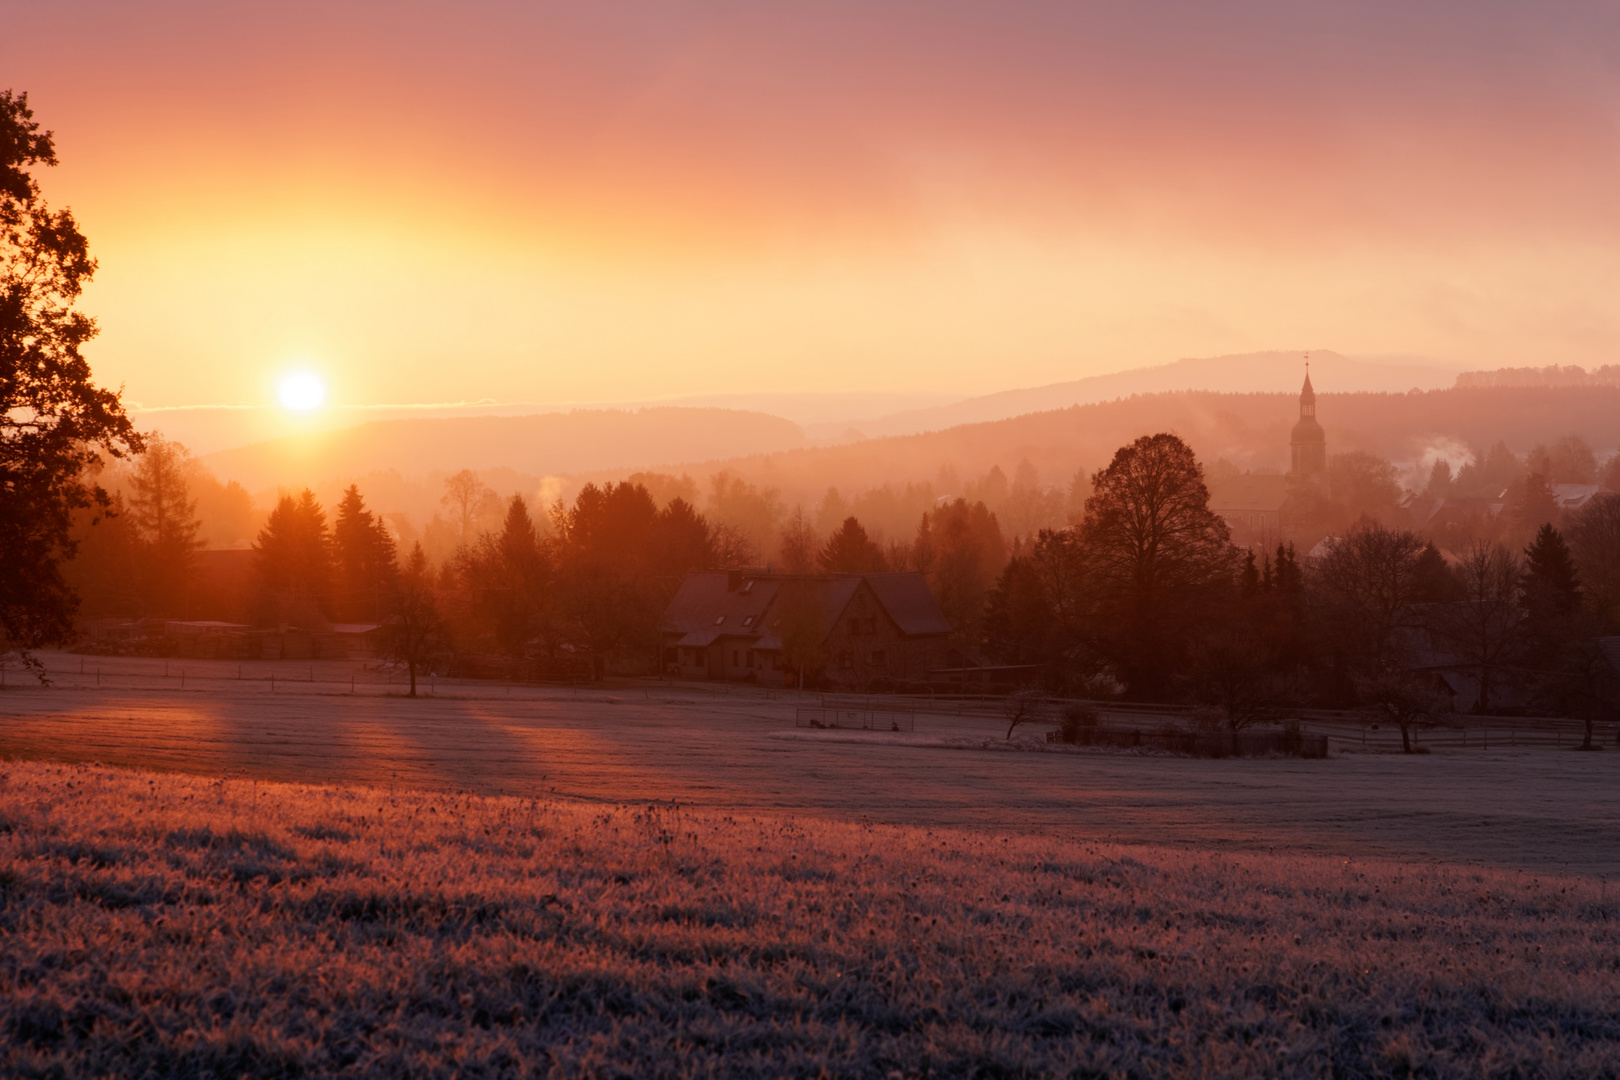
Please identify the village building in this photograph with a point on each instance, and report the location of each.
(1252, 504)
(1307, 445)
(730, 625)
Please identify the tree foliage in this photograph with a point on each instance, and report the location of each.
(293, 561)
(1159, 554)
(55, 423)
(960, 551)
(849, 550)
(363, 561)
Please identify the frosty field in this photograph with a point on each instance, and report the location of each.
(218, 879)
(1510, 806)
(163, 925)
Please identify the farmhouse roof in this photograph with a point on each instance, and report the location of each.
(1250, 493)
(906, 599)
(1576, 496)
(710, 606)
(714, 605)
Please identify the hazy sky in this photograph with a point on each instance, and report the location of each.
(598, 201)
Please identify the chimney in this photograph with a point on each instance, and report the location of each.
(734, 579)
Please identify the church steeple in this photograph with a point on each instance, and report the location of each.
(1308, 446)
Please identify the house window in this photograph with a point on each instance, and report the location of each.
(748, 620)
(750, 658)
(854, 627)
(748, 586)
(720, 620)
(880, 659)
(846, 659)
(871, 626)
(734, 660)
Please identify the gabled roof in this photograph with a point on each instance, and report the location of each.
(1575, 496)
(1254, 493)
(710, 606)
(908, 601)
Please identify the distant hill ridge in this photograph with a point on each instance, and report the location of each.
(1258, 372)
(1249, 429)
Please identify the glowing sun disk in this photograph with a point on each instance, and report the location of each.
(302, 391)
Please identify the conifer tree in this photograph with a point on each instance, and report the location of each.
(1551, 586)
(294, 561)
(850, 551)
(363, 560)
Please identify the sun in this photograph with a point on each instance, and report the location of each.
(302, 391)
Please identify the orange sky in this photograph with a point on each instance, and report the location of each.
(533, 202)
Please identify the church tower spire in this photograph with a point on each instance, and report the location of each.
(1308, 444)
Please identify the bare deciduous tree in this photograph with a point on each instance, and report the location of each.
(1483, 628)
(1370, 577)
(414, 632)
(465, 495)
(1022, 707)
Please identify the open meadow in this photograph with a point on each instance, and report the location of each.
(223, 880)
(1494, 803)
(175, 926)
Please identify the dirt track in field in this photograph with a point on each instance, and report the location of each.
(1533, 809)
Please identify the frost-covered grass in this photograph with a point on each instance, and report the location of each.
(153, 925)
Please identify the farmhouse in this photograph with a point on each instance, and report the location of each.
(864, 627)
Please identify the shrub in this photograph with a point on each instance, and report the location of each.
(1078, 723)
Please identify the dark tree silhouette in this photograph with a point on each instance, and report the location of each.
(1040, 612)
(363, 560)
(293, 560)
(54, 422)
(607, 594)
(1483, 627)
(960, 551)
(509, 577)
(1367, 583)
(850, 551)
(1594, 540)
(1433, 580)
(414, 633)
(1160, 556)
(1552, 586)
(1396, 695)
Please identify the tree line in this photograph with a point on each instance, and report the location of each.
(1148, 597)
